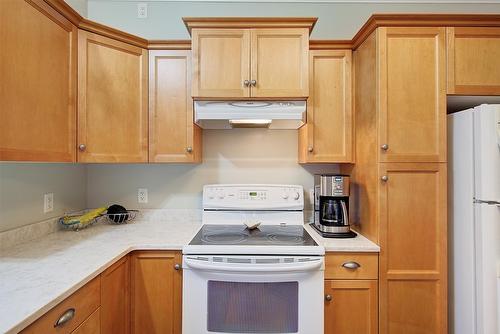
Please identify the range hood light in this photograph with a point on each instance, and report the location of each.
(250, 123)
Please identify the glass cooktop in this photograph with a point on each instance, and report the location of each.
(264, 235)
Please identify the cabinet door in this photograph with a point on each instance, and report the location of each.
(91, 325)
(473, 61)
(413, 242)
(412, 91)
(173, 136)
(156, 292)
(351, 307)
(328, 136)
(38, 83)
(221, 62)
(115, 298)
(280, 62)
(112, 100)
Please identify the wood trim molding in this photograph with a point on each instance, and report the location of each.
(65, 10)
(330, 44)
(249, 22)
(113, 33)
(181, 44)
(424, 20)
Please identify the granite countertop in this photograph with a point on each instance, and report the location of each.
(37, 275)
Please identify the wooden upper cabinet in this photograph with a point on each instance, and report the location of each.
(412, 94)
(327, 136)
(413, 242)
(38, 83)
(351, 306)
(473, 61)
(115, 298)
(173, 136)
(221, 62)
(242, 63)
(279, 62)
(156, 292)
(112, 100)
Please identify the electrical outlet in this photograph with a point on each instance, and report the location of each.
(311, 196)
(142, 195)
(48, 202)
(142, 10)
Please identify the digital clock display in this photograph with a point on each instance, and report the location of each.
(252, 193)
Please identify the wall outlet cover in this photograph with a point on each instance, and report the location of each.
(142, 195)
(48, 202)
(142, 10)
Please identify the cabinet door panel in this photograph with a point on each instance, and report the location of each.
(329, 108)
(280, 61)
(221, 62)
(156, 292)
(91, 325)
(353, 307)
(412, 92)
(38, 83)
(115, 298)
(173, 136)
(413, 234)
(112, 101)
(473, 56)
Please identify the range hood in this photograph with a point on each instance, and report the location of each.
(250, 114)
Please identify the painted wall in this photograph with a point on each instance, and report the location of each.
(22, 187)
(79, 5)
(229, 156)
(337, 20)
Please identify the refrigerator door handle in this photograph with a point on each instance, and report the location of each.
(480, 201)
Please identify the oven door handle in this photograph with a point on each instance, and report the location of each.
(253, 267)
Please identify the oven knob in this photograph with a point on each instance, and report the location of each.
(296, 196)
(284, 195)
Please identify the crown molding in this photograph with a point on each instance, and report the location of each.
(182, 44)
(249, 22)
(330, 44)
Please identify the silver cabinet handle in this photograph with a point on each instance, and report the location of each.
(351, 265)
(253, 82)
(65, 317)
(328, 298)
(385, 178)
(384, 147)
(310, 149)
(82, 147)
(246, 83)
(177, 266)
(189, 149)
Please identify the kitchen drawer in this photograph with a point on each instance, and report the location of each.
(85, 301)
(336, 266)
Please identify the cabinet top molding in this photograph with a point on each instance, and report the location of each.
(375, 21)
(249, 22)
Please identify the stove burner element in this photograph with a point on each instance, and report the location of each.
(224, 238)
(286, 238)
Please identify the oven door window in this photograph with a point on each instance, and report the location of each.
(248, 307)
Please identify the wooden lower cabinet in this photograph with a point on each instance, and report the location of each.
(156, 292)
(115, 298)
(351, 307)
(413, 242)
(92, 324)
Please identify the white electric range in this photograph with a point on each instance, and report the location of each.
(263, 280)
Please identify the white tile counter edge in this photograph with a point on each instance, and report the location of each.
(22, 301)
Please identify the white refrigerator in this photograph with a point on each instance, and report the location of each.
(474, 216)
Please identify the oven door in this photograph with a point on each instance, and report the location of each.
(252, 294)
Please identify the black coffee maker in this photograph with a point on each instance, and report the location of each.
(331, 206)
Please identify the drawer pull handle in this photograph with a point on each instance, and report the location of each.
(65, 317)
(351, 265)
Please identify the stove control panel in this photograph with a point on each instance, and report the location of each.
(253, 197)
